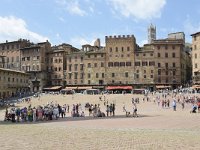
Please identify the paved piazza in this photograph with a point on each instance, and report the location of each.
(155, 128)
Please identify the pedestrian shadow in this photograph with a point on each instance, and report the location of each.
(71, 119)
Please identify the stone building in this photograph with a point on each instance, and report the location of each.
(12, 52)
(120, 58)
(75, 68)
(34, 62)
(95, 66)
(195, 57)
(13, 82)
(168, 57)
(144, 67)
(57, 64)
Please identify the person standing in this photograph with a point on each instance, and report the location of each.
(174, 105)
(135, 110)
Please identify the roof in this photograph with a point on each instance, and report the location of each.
(195, 33)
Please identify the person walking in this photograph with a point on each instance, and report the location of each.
(174, 105)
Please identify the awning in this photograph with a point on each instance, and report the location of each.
(71, 88)
(119, 88)
(196, 86)
(163, 86)
(53, 88)
(84, 87)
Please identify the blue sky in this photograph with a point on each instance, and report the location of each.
(78, 22)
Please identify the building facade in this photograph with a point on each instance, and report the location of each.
(12, 52)
(34, 62)
(195, 58)
(13, 82)
(120, 58)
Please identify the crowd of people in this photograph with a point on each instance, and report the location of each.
(53, 111)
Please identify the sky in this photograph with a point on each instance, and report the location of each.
(79, 22)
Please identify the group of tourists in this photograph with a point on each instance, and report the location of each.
(32, 114)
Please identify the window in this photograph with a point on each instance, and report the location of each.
(102, 75)
(113, 75)
(88, 81)
(159, 65)
(116, 49)
(166, 65)
(128, 48)
(195, 38)
(95, 55)
(88, 56)
(70, 59)
(151, 54)
(195, 47)
(128, 63)
(137, 54)
(70, 67)
(95, 65)
(89, 65)
(110, 64)
(174, 73)
(159, 80)
(166, 47)
(122, 49)
(151, 63)
(151, 71)
(89, 75)
(159, 72)
(97, 75)
(126, 74)
(195, 65)
(81, 67)
(122, 55)
(122, 64)
(137, 63)
(173, 47)
(38, 57)
(101, 55)
(128, 55)
(144, 63)
(145, 71)
(158, 47)
(158, 54)
(76, 75)
(173, 55)
(166, 55)
(145, 76)
(116, 64)
(81, 59)
(144, 54)
(102, 64)
(195, 55)
(12, 59)
(151, 76)
(174, 64)
(28, 58)
(110, 49)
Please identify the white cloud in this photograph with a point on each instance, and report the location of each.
(12, 28)
(72, 6)
(139, 9)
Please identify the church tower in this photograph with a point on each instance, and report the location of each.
(151, 33)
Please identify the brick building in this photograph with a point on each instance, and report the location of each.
(12, 52)
(34, 62)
